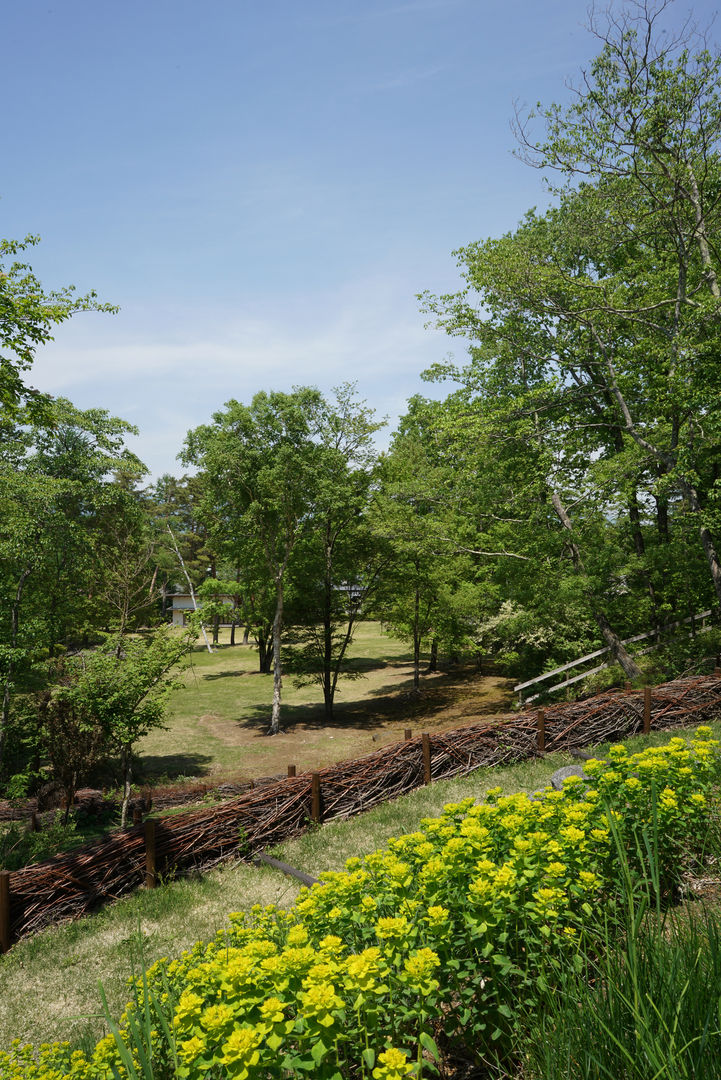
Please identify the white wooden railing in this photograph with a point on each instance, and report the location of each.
(520, 687)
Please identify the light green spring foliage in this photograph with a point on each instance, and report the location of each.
(444, 931)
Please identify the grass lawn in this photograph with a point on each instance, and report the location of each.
(217, 723)
(58, 970)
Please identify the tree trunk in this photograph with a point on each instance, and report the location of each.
(277, 670)
(70, 789)
(706, 539)
(14, 624)
(216, 628)
(634, 517)
(232, 632)
(327, 675)
(246, 634)
(190, 587)
(127, 769)
(662, 518)
(328, 696)
(608, 634)
(433, 659)
(618, 650)
(640, 549)
(265, 651)
(416, 641)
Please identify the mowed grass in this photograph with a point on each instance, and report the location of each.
(217, 723)
(50, 982)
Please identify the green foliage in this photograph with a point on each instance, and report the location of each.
(58, 556)
(641, 1010)
(101, 702)
(27, 316)
(586, 431)
(430, 590)
(123, 685)
(285, 485)
(20, 846)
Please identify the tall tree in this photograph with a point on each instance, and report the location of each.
(341, 561)
(260, 467)
(411, 515)
(54, 483)
(594, 327)
(645, 130)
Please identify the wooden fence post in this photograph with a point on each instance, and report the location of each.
(316, 813)
(291, 770)
(646, 709)
(627, 687)
(541, 733)
(426, 747)
(137, 816)
(407, 734)
(151, 878)
(34, 823)
(4, 910)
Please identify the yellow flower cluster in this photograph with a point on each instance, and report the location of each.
(440, 931)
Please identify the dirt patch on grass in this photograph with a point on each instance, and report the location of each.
(445, 700)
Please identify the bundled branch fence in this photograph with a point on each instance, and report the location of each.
(74, 884)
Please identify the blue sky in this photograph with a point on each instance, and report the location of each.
(264, 187)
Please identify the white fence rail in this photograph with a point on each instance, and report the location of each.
(520, 687)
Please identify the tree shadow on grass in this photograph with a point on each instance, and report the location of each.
(226, 675)
(365, 664)
(436, 696)
(155, 766)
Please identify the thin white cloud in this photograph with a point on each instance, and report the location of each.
(408, 78)
(370, 332)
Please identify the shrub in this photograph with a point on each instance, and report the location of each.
(19, 846)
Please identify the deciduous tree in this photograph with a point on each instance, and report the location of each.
(259, 464)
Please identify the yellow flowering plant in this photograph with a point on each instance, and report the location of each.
(434, 940)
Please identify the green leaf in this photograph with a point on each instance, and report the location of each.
(369, 1057)
(318, 1050)
(428, 1044)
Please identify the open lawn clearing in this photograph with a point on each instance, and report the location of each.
(58, 970)
(217, 724)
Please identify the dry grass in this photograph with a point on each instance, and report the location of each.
(58, 971)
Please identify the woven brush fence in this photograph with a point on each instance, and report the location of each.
(73, 884)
